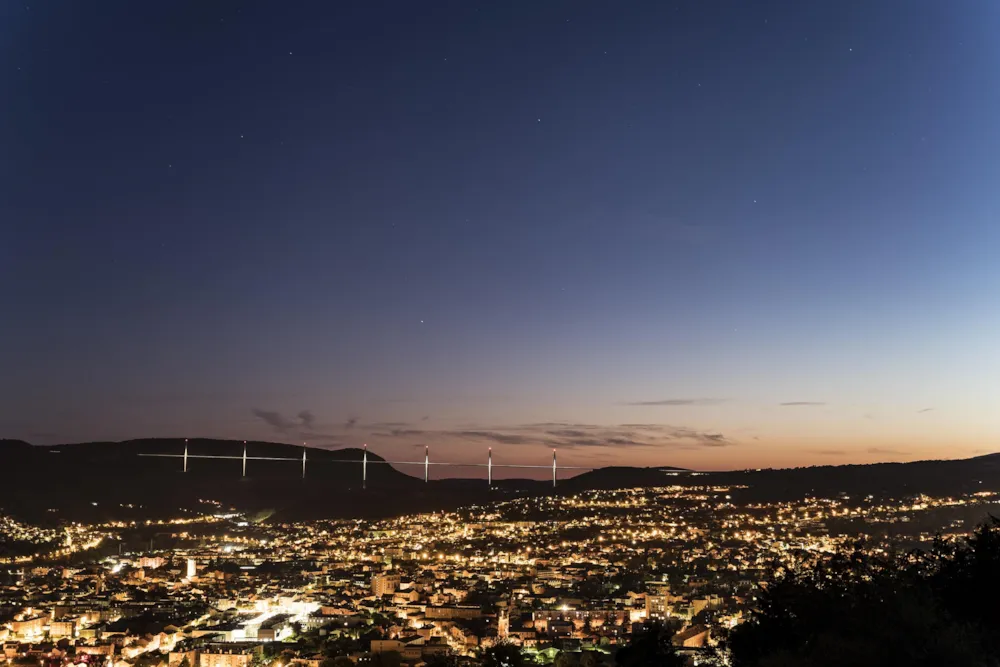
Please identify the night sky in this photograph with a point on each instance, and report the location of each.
(707, 234)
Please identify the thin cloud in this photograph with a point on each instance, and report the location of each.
(830, 452)
(714, 440)
(799, 403)
(674, 402)
(700, 437)
(302, 427)
(569, 436)
(568, 433)
(925, 410)
(274, 419)
(572, 443)
(397, 432)
(887, 451)
(502, 438)
(307, 418)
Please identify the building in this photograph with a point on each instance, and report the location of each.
(503, 624)
(385, 584)
(29, 627)
(412, 649)
(694, 637)
(580, 618)
(387, 645)
(236, 659)
(177, 658)
(657, 599)
(63, 628)
(226, 656)
(275, 628)
(452, 612)
(192, 568)
(152, 562)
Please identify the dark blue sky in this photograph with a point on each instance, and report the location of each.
(621, 228)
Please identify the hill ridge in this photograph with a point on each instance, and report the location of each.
(100, 480)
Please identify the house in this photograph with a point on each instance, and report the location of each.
(695, 636)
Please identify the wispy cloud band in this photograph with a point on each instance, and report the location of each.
(675, 402)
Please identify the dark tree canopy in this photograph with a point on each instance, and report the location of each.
(503, 654)
(339, 661)
(384, 659)
(442, 660)
(920, 610)
(652, 646)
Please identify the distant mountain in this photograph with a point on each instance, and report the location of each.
(883, 480)
(11, 444)
(94, 480)
(622, 477)
(100, 481)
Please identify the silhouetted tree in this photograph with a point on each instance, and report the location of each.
(922, 609)
(566, 659)
(339, 661)
(652, 646)
(149, 659)
(503, 654)
(965, 576)
(442, 660)
(383, 659)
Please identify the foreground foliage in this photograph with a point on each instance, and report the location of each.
(935, 609)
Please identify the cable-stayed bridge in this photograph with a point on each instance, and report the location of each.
(364, 462)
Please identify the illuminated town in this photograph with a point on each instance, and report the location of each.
(571, 576)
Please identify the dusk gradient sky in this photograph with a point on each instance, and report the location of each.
(698, 233)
